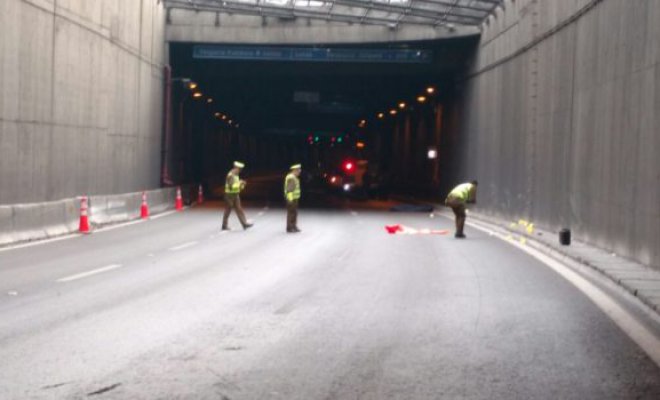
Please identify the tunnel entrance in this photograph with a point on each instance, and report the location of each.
(369, 118)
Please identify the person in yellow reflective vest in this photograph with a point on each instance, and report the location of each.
(233, 187)
(292, 195)
(465, 193)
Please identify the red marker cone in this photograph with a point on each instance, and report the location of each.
(179, 200)
(84, 217)
(200, 195)
(144, 209)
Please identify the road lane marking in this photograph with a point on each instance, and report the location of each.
(40, 242)
(630, 325)
(182, 246)
(165, 214)
(121, 225)
(89, 273)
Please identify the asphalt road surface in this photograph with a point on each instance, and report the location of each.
(173, 308)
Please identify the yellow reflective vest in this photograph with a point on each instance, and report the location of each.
(291, 187)
(232, 184)
(464, 192)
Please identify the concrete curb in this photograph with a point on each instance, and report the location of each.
(20, 223)
(639, 280)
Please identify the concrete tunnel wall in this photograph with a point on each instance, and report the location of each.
(559, 120)
(81, 97)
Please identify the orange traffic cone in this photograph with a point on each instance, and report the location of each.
(144, 209)
(200, 195)
(179, 200)
(84, 216)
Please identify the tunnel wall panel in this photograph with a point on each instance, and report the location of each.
(81, 102)
(559, 120)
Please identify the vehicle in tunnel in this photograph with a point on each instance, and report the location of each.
(354, 179)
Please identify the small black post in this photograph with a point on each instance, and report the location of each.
(565, 236)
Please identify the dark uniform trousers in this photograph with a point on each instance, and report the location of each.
(233, 201)
(291, 215)
(458, 207)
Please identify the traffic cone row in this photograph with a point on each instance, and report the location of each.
(84, 226)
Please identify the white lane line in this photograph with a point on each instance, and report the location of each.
(89, 273)
(639, 333)
(182, 246)
(354, 213)
(630, 325)
(121, 225)
(165, 214)
(40, 242)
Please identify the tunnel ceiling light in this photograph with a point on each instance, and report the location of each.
(217, 115)
(198, 95)
(393, 112)
(381, 115)
(430, 90)
(421, 99)
(209, 100)
(360, 145)
(192, 85)
(402, 105)
(224, 117)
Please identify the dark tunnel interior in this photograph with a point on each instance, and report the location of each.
(368, 128)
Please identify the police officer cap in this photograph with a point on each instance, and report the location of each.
(239, 164)
(296, 166)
